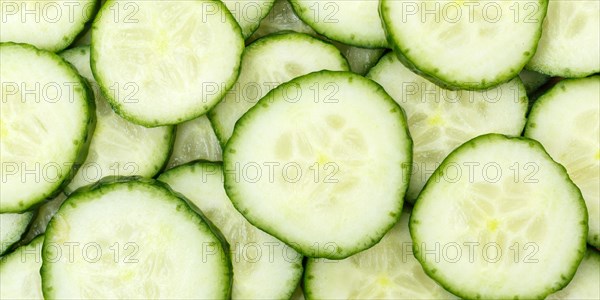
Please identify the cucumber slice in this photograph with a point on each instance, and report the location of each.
(195, 139)
(126, 238)
(256, 256)
(308, 180)
(12, 228)
(464, 46)
(354, 23)
(569, 44)
(289, 55)
(48, 25)
(248, 14)
(575, 140)
(20, 272)
(118, 147)
(497, 210)
(46, 120)
(156, 72)
(586, 282)
(387, 271)
(440, 120)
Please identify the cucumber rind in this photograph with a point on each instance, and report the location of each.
(83, 194)
(432, 271)
(447, 82)
(14, 282)
(248, 28)
(81, 151)
(338, 253)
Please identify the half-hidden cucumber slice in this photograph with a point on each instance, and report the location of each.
(464, 45)
(256, 256)
(566, 121)
(46, 119)
(440, 120)
(248, 14)
(497, 210)
(12, 228)
(288, 55)
(118, 147)
(309, 178)
(569, 44)
(127, 238)
(48, 25)
(195, 140)
(158, 72)
(388, 270)
(20, 272)
(355, 23)
(586, 280)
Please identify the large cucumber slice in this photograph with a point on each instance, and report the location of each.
(248, 14)
(309, 179)
(195, 140)
(12, 228)
(354, 23)
(256, 256)
(20, 272)
(267, 63)
(569, 44)
(46, 117)
(388, 270)
(464, 45)
(586, 280)
(158, 72)
(118, 146)
(566, 121)
(440, 120)
(131, 239)
(495, 212)
(48, 25)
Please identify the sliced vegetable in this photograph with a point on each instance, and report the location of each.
(195, 139)
(20, 272)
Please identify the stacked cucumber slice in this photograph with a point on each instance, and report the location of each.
(292, 149)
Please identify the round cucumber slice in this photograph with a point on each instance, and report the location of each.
(308, 180)
(125, 238)
(354, 23)
(158, 72)
(497, 210)
(565, 121)
(464, 45)
(118, 147)
(256, 256)
(388, 270)
(569, 44)
(46, 120)
(289, 55)
(48, 25)
(440, 120)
